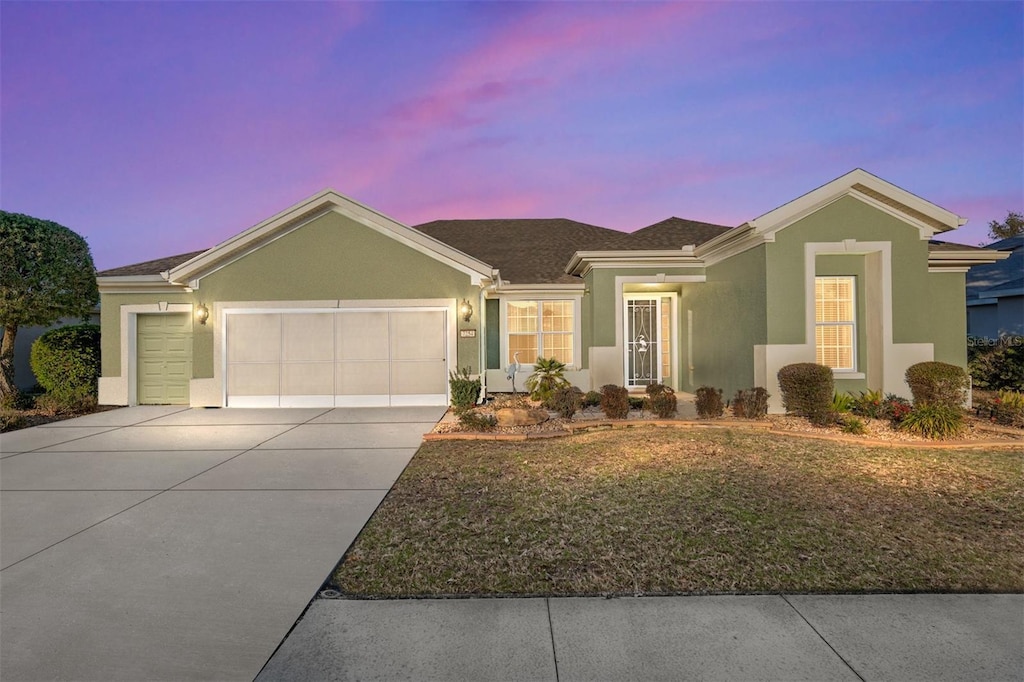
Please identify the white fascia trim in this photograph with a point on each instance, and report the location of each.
(136, 284)
(313, 207)
(547, 290)
(960, 261)
(843, 186)
(582, 261)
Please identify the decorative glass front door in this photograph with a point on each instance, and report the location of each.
(648, 340)
(643, 357)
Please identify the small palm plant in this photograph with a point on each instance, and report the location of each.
(548, 376)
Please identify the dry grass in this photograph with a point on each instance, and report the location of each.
(664, 511)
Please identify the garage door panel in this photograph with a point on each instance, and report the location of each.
(308, 378)
(254, 338)
(308, 337)
(254, 379)
(417, 335)
(370, 378)
(362, 336)
(412, 378)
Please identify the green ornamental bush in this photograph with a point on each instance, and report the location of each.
(566, 401)
(614, 401)
(807, 390)
(548, 376)
(465, 391)
(868, 404)
(709, 402)
(855, 426)
(999, 366)
(934, 420)
(937, 383)
(895, 409)
(591, 399)
(661, 400)
(66, 360)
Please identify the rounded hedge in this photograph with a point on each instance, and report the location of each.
(807, 389)
(937, 383)
(66, 360)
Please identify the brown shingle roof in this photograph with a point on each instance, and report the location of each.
(150, 267)
(525, 250)
(536, 250)
(675, 233)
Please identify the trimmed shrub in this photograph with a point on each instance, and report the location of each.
(751, 403)
(934, 420)
(465, 391)
(868, 404)
(66, 360)
(548, 376)
(937, 383)
(997, 366)
(709, 402)
(565, 401)
(661, 400)
(807, 390)
(591, 399)
(477, 421)
(614, 401)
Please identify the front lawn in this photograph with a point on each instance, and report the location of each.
(648, 511)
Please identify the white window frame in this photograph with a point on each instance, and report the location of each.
(576, 301)
(843, 323)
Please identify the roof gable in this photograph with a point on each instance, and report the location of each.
(211, 260)
(927, 217)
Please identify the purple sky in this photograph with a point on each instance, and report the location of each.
(160, 128)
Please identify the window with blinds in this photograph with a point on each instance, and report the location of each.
(540, 329)
(835, 322)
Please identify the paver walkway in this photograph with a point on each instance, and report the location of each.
(153, 543)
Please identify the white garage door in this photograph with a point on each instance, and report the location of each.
(344, 358)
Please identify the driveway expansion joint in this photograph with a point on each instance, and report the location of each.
(822, 638)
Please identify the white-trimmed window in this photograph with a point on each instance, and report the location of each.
(543, 329)
(835, 323)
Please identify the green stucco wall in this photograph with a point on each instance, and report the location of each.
(728, 320)
(330, 258)
(926, 307)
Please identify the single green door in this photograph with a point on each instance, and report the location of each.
(165, 358)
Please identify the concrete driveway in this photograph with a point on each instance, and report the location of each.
(152, 543)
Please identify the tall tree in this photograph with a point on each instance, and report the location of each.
(46, 273)
(1011, 227)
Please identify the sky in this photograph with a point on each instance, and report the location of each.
(154, 128)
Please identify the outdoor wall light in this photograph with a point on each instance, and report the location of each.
(466, 310)
(202, 313)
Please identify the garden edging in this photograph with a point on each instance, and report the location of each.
(600, 425)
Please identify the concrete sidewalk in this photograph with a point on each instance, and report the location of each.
(866, 637)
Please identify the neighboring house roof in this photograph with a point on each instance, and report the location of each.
(986, 277)
(150, 267)
(526, 250)
(1015, 287)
